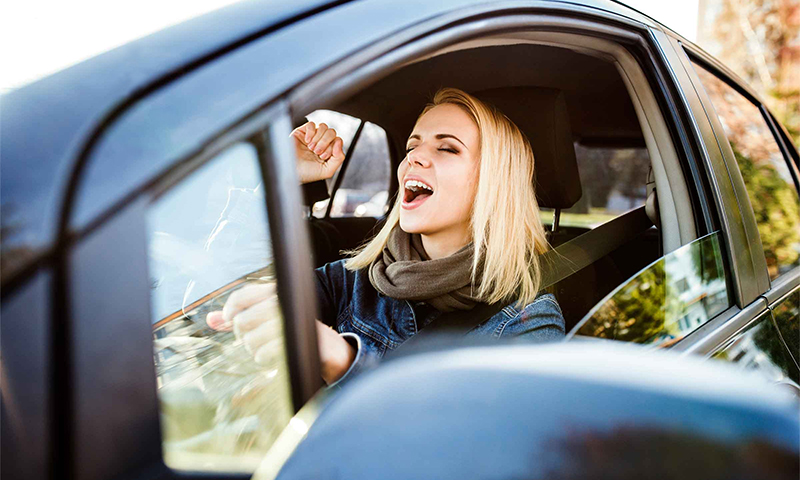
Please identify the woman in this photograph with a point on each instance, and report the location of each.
(466, 187)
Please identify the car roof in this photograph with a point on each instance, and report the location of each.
(48, 124)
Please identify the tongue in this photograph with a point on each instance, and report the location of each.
(418, 195)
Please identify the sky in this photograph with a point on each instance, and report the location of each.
(40, 37)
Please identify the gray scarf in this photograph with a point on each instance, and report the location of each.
(405, 272)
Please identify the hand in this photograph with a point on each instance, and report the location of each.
(253, 314)
(319, 151)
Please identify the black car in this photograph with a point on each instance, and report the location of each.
(141, 187)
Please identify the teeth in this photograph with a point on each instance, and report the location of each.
(413, 185)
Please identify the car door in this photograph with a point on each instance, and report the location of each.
(757, 186)
(216, 221)
(699, 282)
(706, 284)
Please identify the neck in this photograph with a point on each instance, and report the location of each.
(443, 244)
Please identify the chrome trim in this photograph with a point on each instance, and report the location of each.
(784, 285)
(789, 351)
(765, 316)
(719, 330)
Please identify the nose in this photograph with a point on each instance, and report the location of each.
(416, 157)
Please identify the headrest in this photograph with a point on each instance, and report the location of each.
(541, 114)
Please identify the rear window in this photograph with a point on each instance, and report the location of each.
(363, 189)
(613, 180)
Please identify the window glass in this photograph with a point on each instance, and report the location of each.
(364, 191)
(760, 348)
(221, 408)
(667, 300)
(613, 180)
(766, 174)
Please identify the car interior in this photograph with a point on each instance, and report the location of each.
(603, 155)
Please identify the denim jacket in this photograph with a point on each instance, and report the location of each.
(376, 324)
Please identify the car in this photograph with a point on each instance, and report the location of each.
(142, 187)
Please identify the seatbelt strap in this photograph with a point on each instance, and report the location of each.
(557, 264)
(582, 251)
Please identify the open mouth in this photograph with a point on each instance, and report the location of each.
(416, 193)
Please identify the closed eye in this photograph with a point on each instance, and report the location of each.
(451, 150)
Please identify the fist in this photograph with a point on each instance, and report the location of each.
(319, 151)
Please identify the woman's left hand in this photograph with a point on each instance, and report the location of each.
(252, 313)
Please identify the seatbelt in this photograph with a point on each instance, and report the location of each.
(557, 264)
(582, 251)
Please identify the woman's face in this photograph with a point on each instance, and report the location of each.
(439, 175)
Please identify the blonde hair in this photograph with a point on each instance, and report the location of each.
(507, 230)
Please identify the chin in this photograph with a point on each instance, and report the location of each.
(409, 226)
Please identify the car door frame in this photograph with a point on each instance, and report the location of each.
(762, 293)
(346, 77)
(101, 308)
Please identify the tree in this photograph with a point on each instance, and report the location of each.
(760, 41)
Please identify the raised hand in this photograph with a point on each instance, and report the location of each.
(319, 151)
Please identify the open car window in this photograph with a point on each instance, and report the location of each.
(222, 403)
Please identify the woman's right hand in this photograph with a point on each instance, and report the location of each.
(319, 151)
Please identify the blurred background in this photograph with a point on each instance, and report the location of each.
(758, 39)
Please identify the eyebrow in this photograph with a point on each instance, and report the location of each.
(440, 136)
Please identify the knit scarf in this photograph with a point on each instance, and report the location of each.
(405, 272)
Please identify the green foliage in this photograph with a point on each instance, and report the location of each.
(776, 209)
(637, 312)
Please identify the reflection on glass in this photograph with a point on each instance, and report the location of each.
(787, 317)
(760, 348)
(208, 230)
(220, 408)
(765, 172)
(665, 301)
(614, 181)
